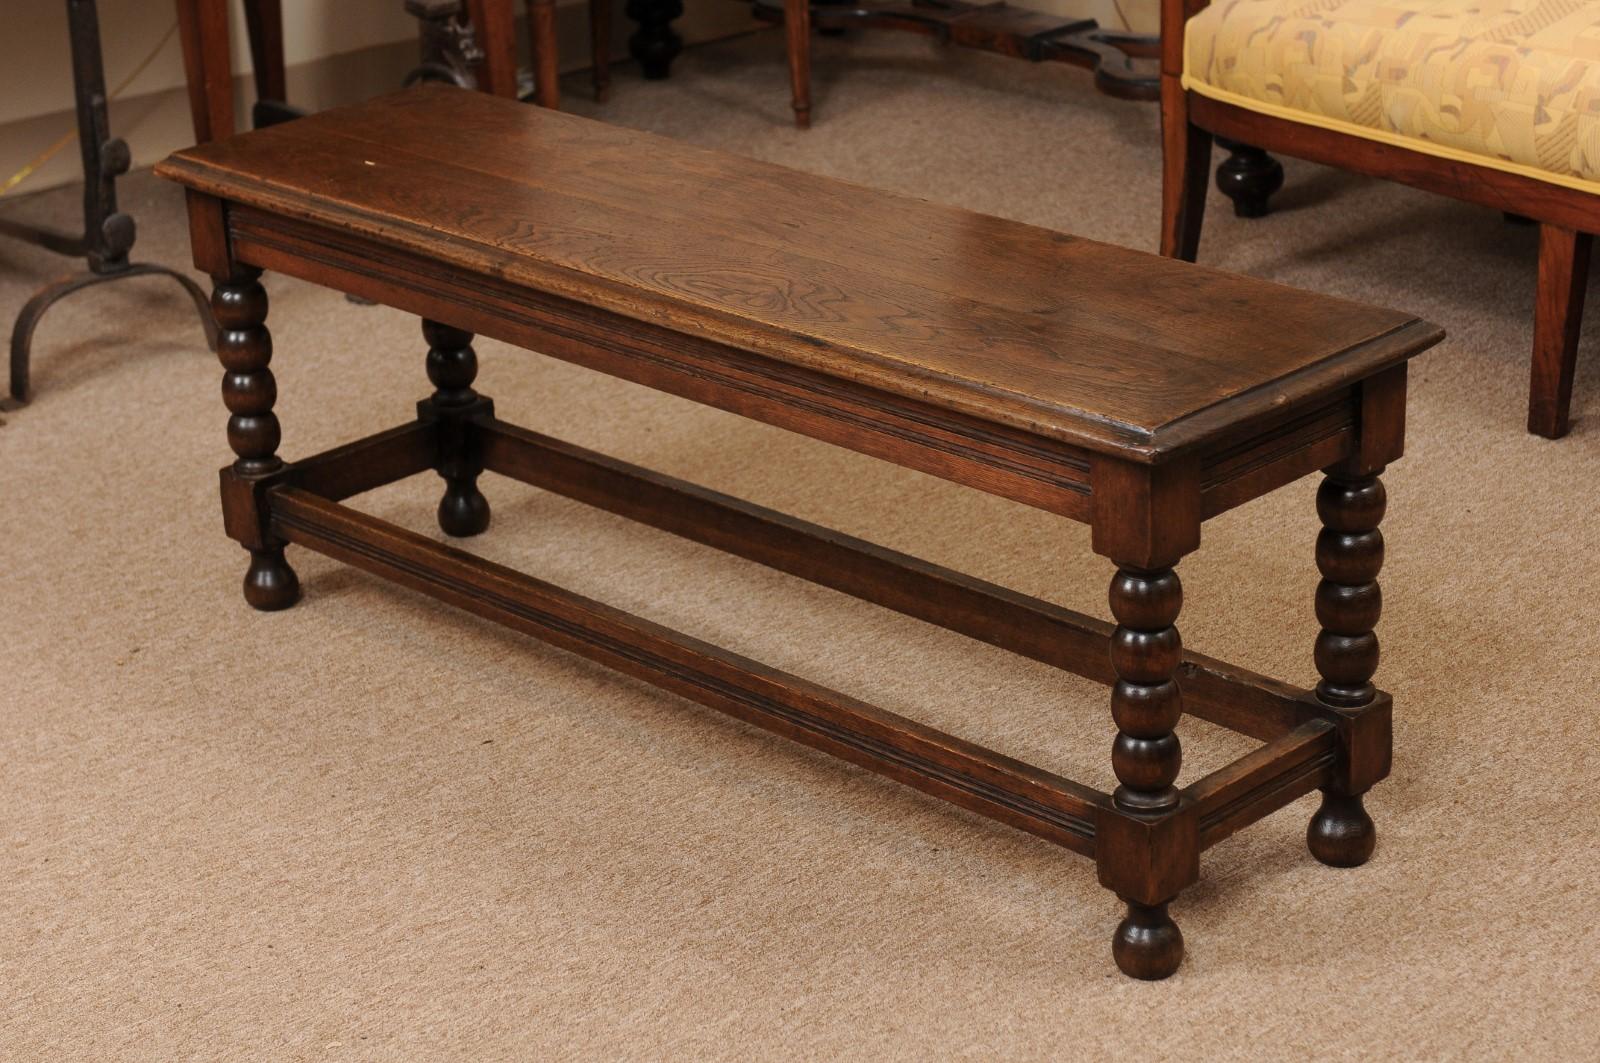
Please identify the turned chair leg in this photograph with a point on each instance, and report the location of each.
(452, 367)
(1185, 169)
(1558, 311)
(244, 346)
(1146, 756)
(600, 43)
(797, 33)
(1249, 177)
(1349, 602)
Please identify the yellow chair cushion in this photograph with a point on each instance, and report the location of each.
(1509, 84)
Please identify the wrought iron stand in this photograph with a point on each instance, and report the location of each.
(108, 233)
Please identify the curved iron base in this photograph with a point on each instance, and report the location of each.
(48, 296)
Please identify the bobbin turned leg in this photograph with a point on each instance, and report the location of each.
(452, 367)
(1349, 601)
(1146, 756)
(244, 346)
(1147, 838)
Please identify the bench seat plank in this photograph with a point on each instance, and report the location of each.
(1099, 347)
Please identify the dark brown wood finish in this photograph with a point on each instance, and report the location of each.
(1097, 383)
(208, 70)
(249, 391)
(1249, 177)
(797, 39)
(1567, 216)
(546, 60)
(1351, 503)
(1557, 317)
(452, 367)
(600, 48)
(1099, 347)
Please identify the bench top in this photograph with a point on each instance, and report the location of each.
(1113, 350)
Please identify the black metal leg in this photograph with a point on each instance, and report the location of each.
(48, 296)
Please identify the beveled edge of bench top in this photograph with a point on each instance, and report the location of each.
(320, 169)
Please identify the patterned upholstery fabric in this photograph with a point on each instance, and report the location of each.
(1512, 84)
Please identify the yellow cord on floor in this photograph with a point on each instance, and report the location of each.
(54, 149)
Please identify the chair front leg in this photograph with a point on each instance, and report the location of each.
(1558, 311)
(1185, 170)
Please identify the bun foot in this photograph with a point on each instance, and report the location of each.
(1341, 833)
(270, 584)
(1249, 177)
(463, 511)
(1147, 944)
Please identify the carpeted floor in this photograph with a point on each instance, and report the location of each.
(373, 828)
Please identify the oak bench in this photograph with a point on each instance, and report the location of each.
(1139, 395)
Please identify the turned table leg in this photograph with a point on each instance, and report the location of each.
(655, 44)
(1249, 177)
(1349, 601)
(1146, 705)
(452, 367)
(244, 346)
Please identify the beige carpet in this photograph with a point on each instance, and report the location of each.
(373, 828)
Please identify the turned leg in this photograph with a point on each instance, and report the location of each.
(1558, 311)
(452, 367)
(1248, 176)
(244, 346)
(797, 33)
(1349, 601)
(1146, 756)
(1186, 165)
(655, 43)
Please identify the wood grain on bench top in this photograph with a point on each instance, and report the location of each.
(1099, 346)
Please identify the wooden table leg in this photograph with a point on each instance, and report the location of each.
(1249, 177)
(1147, 844)
(452, 367)
(1349, 602)
(1146, 756)
(248, 389)
(654, 45)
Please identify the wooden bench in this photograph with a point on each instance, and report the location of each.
(1136, 394)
